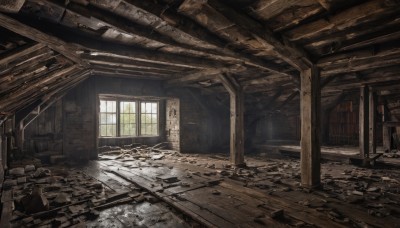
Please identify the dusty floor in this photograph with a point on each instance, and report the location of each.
(168, 189)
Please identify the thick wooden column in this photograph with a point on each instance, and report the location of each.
(372, 122)
(310, 110)
(364, 122)
(236, 118)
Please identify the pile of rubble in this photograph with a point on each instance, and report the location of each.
(135, 152)
(56, 196)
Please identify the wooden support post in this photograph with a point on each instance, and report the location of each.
(237, 118)
(364, 122)
(310, 110)
(372, 122)
(386, 131)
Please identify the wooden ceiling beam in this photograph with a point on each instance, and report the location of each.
(243, 31)
(342, 20)
(109, 58)
(267, 9)
(128, 67)
(11, 100)
(19, 52)
(168, 22)
(202, 75)
(387, 55)
(142, 72)
(52, 42)
(122, 24)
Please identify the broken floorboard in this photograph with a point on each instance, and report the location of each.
(249, 197)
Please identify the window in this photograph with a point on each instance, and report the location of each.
(108, 118)
(121, 118)
(149, 118)
(127, 124)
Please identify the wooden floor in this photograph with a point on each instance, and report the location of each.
(209, 191)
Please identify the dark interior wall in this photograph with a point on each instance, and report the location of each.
(276, 127)
(79, 122)
(129, 87)
(45, 132)
(71, 126)
(204, 126)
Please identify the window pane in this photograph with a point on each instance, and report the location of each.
(103, 107)
(128, 129)
(128, 107)
(103, 119)
(153, 107)
(103, 130)
(111, 119)
(148, 129)
(154, 118)
(148, 107)
(143, 129)
(143, 107)
(154, 129)
(111, 130)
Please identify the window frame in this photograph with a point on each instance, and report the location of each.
(138, 101)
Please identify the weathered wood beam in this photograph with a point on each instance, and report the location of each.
(345, 19)
(373, 33)
(25, 61)
(19, 52)
(363, 123)
(365, 59)
(116, 59)
(134, 28)
(125, 67)
(267, 9)
(86, 42)
(236, 118)
(166, 21)
(202, 75)
(243, 31)
(377, 77)
(130, 75)
(310, 109)
(13, 100)
(52, 42)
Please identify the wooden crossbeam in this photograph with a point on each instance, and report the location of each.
(169, 21)
(52, 42)
(236, 27)
(203, 75)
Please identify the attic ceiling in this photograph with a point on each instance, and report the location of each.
(47, 47)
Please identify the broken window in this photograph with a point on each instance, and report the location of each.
(121, 118)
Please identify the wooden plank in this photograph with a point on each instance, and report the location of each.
(29, 48)
(54, 43)
(364, 122)
(342, 20)
(310, 110)
(236, 119)
(294, 210)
